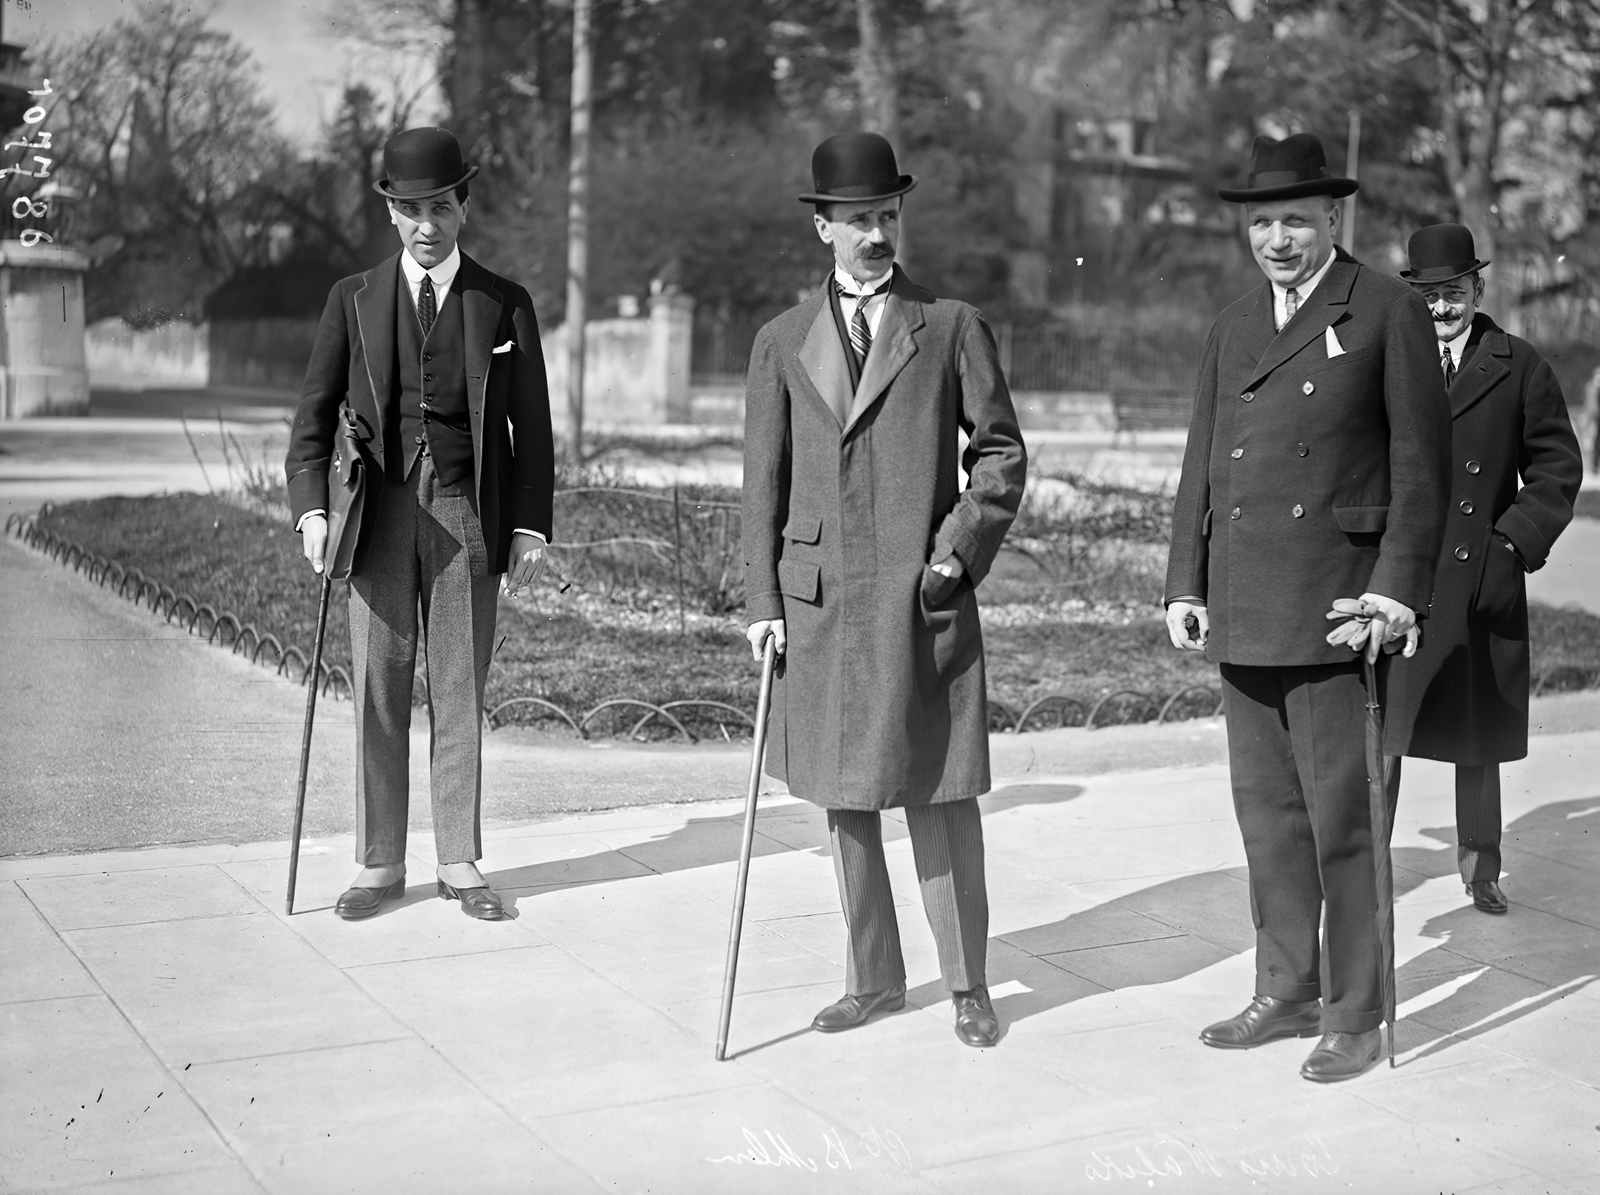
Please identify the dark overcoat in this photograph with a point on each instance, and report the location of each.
(882, 701)
(508, 399)
(1316, 467)
(1464, 696)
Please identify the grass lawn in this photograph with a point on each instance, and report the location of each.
(604, 639)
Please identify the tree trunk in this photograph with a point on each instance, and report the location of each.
(880, 96)
(578, 224)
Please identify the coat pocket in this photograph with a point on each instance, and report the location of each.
(1361, 520)
(803, 528)
(800, 579)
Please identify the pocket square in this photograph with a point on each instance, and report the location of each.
(506, 347)
(1335, 349)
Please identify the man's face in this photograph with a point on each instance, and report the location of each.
(1291, 238)
(864, 236)
(1453, 304)
(429, 227)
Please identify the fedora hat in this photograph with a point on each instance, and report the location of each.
(855, 168)
(1441, 252)
(1288, 169)
(420, 163)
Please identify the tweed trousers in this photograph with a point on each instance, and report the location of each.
(426, 547)
(947, 842)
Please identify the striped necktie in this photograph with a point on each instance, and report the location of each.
(1291, 304)
(427, 304)
(1448, 364)
(860, 331)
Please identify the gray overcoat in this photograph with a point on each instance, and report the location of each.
(848, 497)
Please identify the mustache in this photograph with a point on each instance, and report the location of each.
(880, 251)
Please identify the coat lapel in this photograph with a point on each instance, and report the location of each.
(1481, 372)
(1327, 305)
(893, 346)
(481, 306)
(823, 358)
(375, 308)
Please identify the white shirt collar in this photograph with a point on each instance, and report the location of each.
(1458, 346)
(851, 286)
(442, 274)
(1302, 291)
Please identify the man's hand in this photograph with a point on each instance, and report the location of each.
(526, 565)
(1395, 622)
(1188, 625)
(757, 634)
(314, 538)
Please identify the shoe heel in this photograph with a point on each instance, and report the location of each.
(447, 892)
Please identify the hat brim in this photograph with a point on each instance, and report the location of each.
(1336, 187)
(1440, 274)
(907, 182)
(383, 188)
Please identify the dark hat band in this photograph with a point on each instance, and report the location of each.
(1284, 178)
(423, 186)
(859, 190)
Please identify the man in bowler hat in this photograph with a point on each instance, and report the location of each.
(1464, 697)
(862, 551)
(1316, 469)
(436, 362)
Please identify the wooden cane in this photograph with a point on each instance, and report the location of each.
(314, 678)
(769, 660)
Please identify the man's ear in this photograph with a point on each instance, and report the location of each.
(466, 206)
(823, 230)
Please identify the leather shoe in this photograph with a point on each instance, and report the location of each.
(482, 902)
(1486, 895)
(357, 903)
(976, 1024)
(854, 1010)
(1342, 1056)
(1267, 1019)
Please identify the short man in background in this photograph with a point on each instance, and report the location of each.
(1464, 697)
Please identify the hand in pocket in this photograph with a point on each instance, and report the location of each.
(1501, 587)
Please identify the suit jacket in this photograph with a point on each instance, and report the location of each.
(1464, 696)
(353, 363)
(1316, 468)
(882, 701)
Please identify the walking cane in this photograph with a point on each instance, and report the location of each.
(769, 660)
(314, 677)
(1382, 831)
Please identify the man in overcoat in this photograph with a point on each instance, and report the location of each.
(862, 551)
(1316, 469)
(436, 365)
(1464, 696)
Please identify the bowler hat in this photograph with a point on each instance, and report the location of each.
(422, 162)
(1441, 252)
(855, 168)
(1288, 169)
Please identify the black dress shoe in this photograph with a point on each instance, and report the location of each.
(976, 1024)
(482, 902)
(357, 903)
(1267, 1019)
(854, 1010)
(1486, 895)
(1342, 1056)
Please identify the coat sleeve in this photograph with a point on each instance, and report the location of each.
(1551, 467)
(317, 416)
(1187, 559)
(996, 461)
(531, 494)
(1418, 409)
(767, 451)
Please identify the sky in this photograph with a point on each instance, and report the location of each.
(302, 65)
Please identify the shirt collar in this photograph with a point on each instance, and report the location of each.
(1304, 289)
(1458, 345)
(849, 284)
(442, 274)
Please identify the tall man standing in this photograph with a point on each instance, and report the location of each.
(1316, 469)
(436, 363)
(1464, 697)
(861, 555)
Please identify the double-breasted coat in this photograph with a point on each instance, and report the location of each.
(1464, 696)
(848, 498)
(1316, 467)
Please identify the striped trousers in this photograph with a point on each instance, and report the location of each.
(947, 843)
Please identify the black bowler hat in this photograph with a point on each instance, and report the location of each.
(1441, 252)
(1288, 169)
(420, 163)
(855, 168)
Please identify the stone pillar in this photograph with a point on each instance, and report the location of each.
(671, 339)
(42, 366)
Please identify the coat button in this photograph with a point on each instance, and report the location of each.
(427, 377)
(1473, 467)
(1237, 453)
(1234, 513)
(1301, 450)
(1307, 388)
(1299, 511)
(419, 439)
(1248, 396)
(1466, 507)
(1463, 552)
(427, 356)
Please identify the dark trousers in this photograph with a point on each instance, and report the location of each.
(1477, 819)
(947, 842)
(1297, 752)
(424, 545)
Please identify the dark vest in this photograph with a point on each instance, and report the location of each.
(432, 399)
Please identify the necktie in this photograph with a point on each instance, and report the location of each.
(860, 331)
(1291, 304)
(427, 305)
(1448, 363)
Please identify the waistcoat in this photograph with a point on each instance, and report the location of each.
(432, 402)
